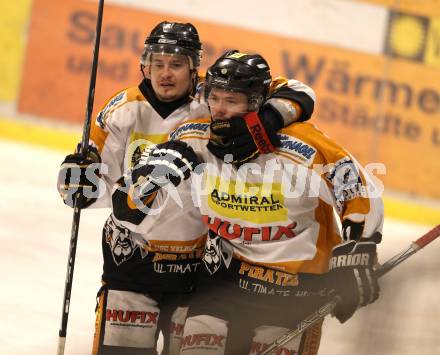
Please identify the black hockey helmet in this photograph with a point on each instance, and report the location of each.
(240, 72)
(174, 38)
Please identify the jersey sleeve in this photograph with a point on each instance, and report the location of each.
(109, 133)
(294, 100)
(356, 196)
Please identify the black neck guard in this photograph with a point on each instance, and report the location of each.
(164, 109)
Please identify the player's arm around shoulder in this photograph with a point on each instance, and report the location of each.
(288, 102)
(291, 100)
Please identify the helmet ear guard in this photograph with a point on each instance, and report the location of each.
(239, 72)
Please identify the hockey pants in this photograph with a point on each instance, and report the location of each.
(128, 323)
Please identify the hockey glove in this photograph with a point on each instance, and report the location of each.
(78, 177)
(352, 277)
(159, 165)
(243, 138)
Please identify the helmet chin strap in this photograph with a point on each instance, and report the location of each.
(194, 80)
(142, 71)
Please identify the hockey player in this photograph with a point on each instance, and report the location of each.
(274, 252)
(142, 282)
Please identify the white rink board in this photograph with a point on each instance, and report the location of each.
(35, 231)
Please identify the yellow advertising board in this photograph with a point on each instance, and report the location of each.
(383, 108)
(13, 16)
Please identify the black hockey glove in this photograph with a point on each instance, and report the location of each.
(243, 138)
(161, 164)
(79, 177)
(158, 165)
(352, 277)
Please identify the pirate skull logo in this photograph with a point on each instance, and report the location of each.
(213, 253)
(120, 241)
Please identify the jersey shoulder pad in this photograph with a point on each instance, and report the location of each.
(309, 142)
(192, 129)
(116, 101)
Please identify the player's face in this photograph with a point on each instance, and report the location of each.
(170, 76)
(226, 104)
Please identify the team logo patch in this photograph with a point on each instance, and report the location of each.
(120, 241)
(190, 128)
(347, 182)
(139, 142)
(214, 253)
(297, 148)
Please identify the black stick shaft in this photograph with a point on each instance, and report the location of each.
(91, 94)
(77, 211)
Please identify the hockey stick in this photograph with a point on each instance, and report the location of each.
(328, 308)
(77, 211)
